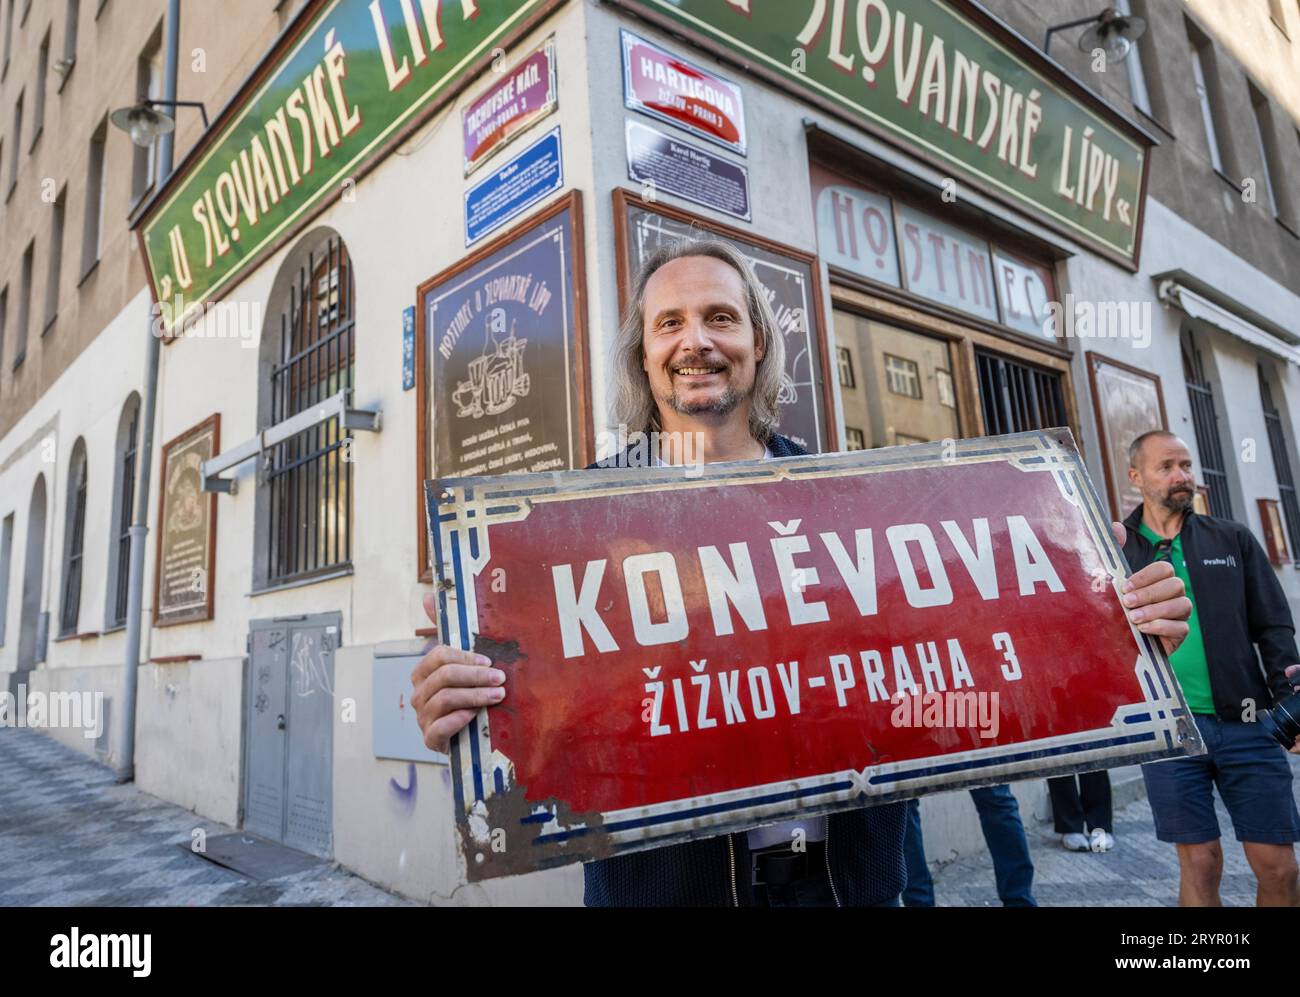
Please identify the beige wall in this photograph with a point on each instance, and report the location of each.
(219, 45)
(1269, 53)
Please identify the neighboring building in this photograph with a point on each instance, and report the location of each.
(917, 305)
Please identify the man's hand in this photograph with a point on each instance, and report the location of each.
(1154, 600)
(1293, 674)
(451, 685)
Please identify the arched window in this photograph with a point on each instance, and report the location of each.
(119, 552)
(74, 540)
(309, 349)
(1205, 423)
(31, 620)
(1277, 443)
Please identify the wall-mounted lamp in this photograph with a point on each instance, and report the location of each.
(144, 124)
(1112, 32)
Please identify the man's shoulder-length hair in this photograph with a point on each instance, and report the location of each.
(634, 403)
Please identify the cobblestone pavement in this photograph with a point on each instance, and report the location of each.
(1139, 872)
(70, 835)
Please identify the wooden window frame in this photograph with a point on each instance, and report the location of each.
(963, 338)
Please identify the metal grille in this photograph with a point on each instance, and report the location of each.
(76, 540)
(1016, 397)
(1205, 423)
(127, 506)
(309, 475)
(1282, 464)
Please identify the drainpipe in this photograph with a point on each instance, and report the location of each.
(125, 770)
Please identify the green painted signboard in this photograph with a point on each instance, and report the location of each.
(350, 79)
(936, 78)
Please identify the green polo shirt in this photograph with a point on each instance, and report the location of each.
(1189, 660)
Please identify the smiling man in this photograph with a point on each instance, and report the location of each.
(699, 356)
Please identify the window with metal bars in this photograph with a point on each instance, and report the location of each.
(74, 542)
(1281, 464)
(1205, 425)
(121, 552)
(1017, 397)
(308, 477)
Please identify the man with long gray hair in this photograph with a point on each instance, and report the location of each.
(698, 363)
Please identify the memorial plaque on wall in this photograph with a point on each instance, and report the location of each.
(501, 354)
(187, 528)
(788, 276)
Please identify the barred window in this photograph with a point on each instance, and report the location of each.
(74, 541)
(308, 477)
(119, 556)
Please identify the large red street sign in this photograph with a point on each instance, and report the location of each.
(699, 649)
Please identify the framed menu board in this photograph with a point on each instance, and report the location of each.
(1128, 402)
(793, 289)
(501, 356)
(184, 569)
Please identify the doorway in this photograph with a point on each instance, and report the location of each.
(289, 748)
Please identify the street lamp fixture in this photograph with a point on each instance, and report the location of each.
(1112, 32)
(145, 125)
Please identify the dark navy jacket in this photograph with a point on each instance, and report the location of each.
(1240, 605)
(864, 847)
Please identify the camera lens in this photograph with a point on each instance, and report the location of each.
(1283, 720)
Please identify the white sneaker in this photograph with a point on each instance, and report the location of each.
(1074, 842)
(1101, 841)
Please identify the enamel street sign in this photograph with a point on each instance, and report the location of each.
(699, 649)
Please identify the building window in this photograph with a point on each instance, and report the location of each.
(844, 360)
(74, 538)
(119, 557)
(1281, 462)
(1205, 423)
(1202, 73)
(24, 303)
(4, 321)
(943, 384)
(6, 560)
(72, 15)
(1278, 15)
(1137, 80)
(9, 35)
(56, 261)
(308, 478)
(148, 82)
(887, 399)
(902, 376)
(1017, 397)
(1271, 160)
(38, 97)
(15, 140)
(92, 232)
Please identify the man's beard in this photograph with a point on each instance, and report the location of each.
(720, 405)
(1179, 500)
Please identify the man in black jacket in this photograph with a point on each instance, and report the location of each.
(698, 365)
(1238, 606)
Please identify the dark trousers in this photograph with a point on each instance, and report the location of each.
(1085, 802)
(1013, 869)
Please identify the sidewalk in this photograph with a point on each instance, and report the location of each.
(69, 835)
(1139, 872)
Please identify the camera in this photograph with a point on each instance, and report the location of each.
(1283, 720)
